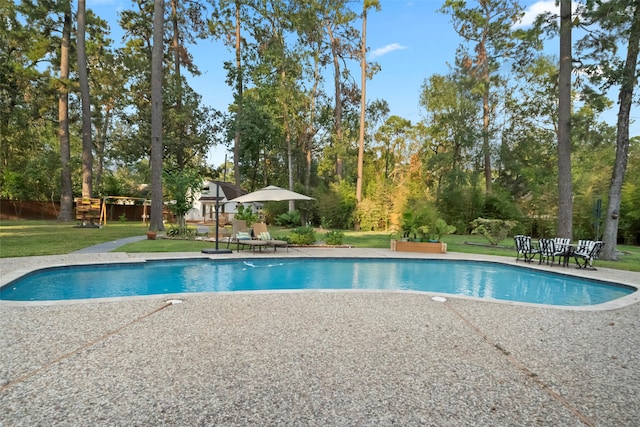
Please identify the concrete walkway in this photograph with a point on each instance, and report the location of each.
(109, 246)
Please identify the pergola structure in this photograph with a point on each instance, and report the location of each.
(88, 209)
(125, 200)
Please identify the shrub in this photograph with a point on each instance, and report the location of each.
(334, 237)
(302, 236)
(418, 219)
(325, 222)
(442, 228)
(246, 213)
(500, 205)
(460, 206)
(494, 230)
(288, 219)
(338, 204)
(372, 215)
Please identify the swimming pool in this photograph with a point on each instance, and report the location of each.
(162, 277)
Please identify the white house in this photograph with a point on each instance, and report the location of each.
(217, 192)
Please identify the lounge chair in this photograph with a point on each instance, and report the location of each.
(237, 226)
(587, 251)
(241, 236)
(524, 248)
(261, 231)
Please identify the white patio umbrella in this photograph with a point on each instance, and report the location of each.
(270, 194)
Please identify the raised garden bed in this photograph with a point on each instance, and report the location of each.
(424, 247)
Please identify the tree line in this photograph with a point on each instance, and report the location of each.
(508, 133)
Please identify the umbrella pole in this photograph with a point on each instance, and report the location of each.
(217, 250)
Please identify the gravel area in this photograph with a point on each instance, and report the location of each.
(316, 358)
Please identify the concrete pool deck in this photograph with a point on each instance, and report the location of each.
(317, 357)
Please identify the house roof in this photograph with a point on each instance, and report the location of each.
(228, 191)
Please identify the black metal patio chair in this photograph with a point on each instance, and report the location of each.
(587, 252)
(547, 251)
(562, 248)
(525, 248)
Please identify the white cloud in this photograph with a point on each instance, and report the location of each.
(386, 49)
(538, 8)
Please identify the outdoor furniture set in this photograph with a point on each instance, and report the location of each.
(261, 237)
(584, 253)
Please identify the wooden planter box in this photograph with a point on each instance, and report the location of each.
(424, 247)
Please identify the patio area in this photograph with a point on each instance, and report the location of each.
(316, 358)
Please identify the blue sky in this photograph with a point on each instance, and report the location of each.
(408, 38)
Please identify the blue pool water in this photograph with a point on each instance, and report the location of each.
(476, 279)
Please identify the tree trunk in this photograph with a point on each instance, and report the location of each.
(66, 190)
(175, 44)
(100, 143)
(311, 129)
(629, 80)
(486, 147)
(155, 216)
(237, 136)
(363, 107)
(337, 110)
(87, 143)
(287, 137)
(565, 187)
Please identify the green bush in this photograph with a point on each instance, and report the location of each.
(337, 204)
(325, 222)
(494, 230)
(418, 219)
(442, 228)
(289, 219)
(500, 205)
(460, 206)
(246, 213)
(302, 236)
(372, 215)
(334, 237)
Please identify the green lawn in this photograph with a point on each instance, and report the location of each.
(28, 238)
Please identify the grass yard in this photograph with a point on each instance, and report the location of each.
(29, 238)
